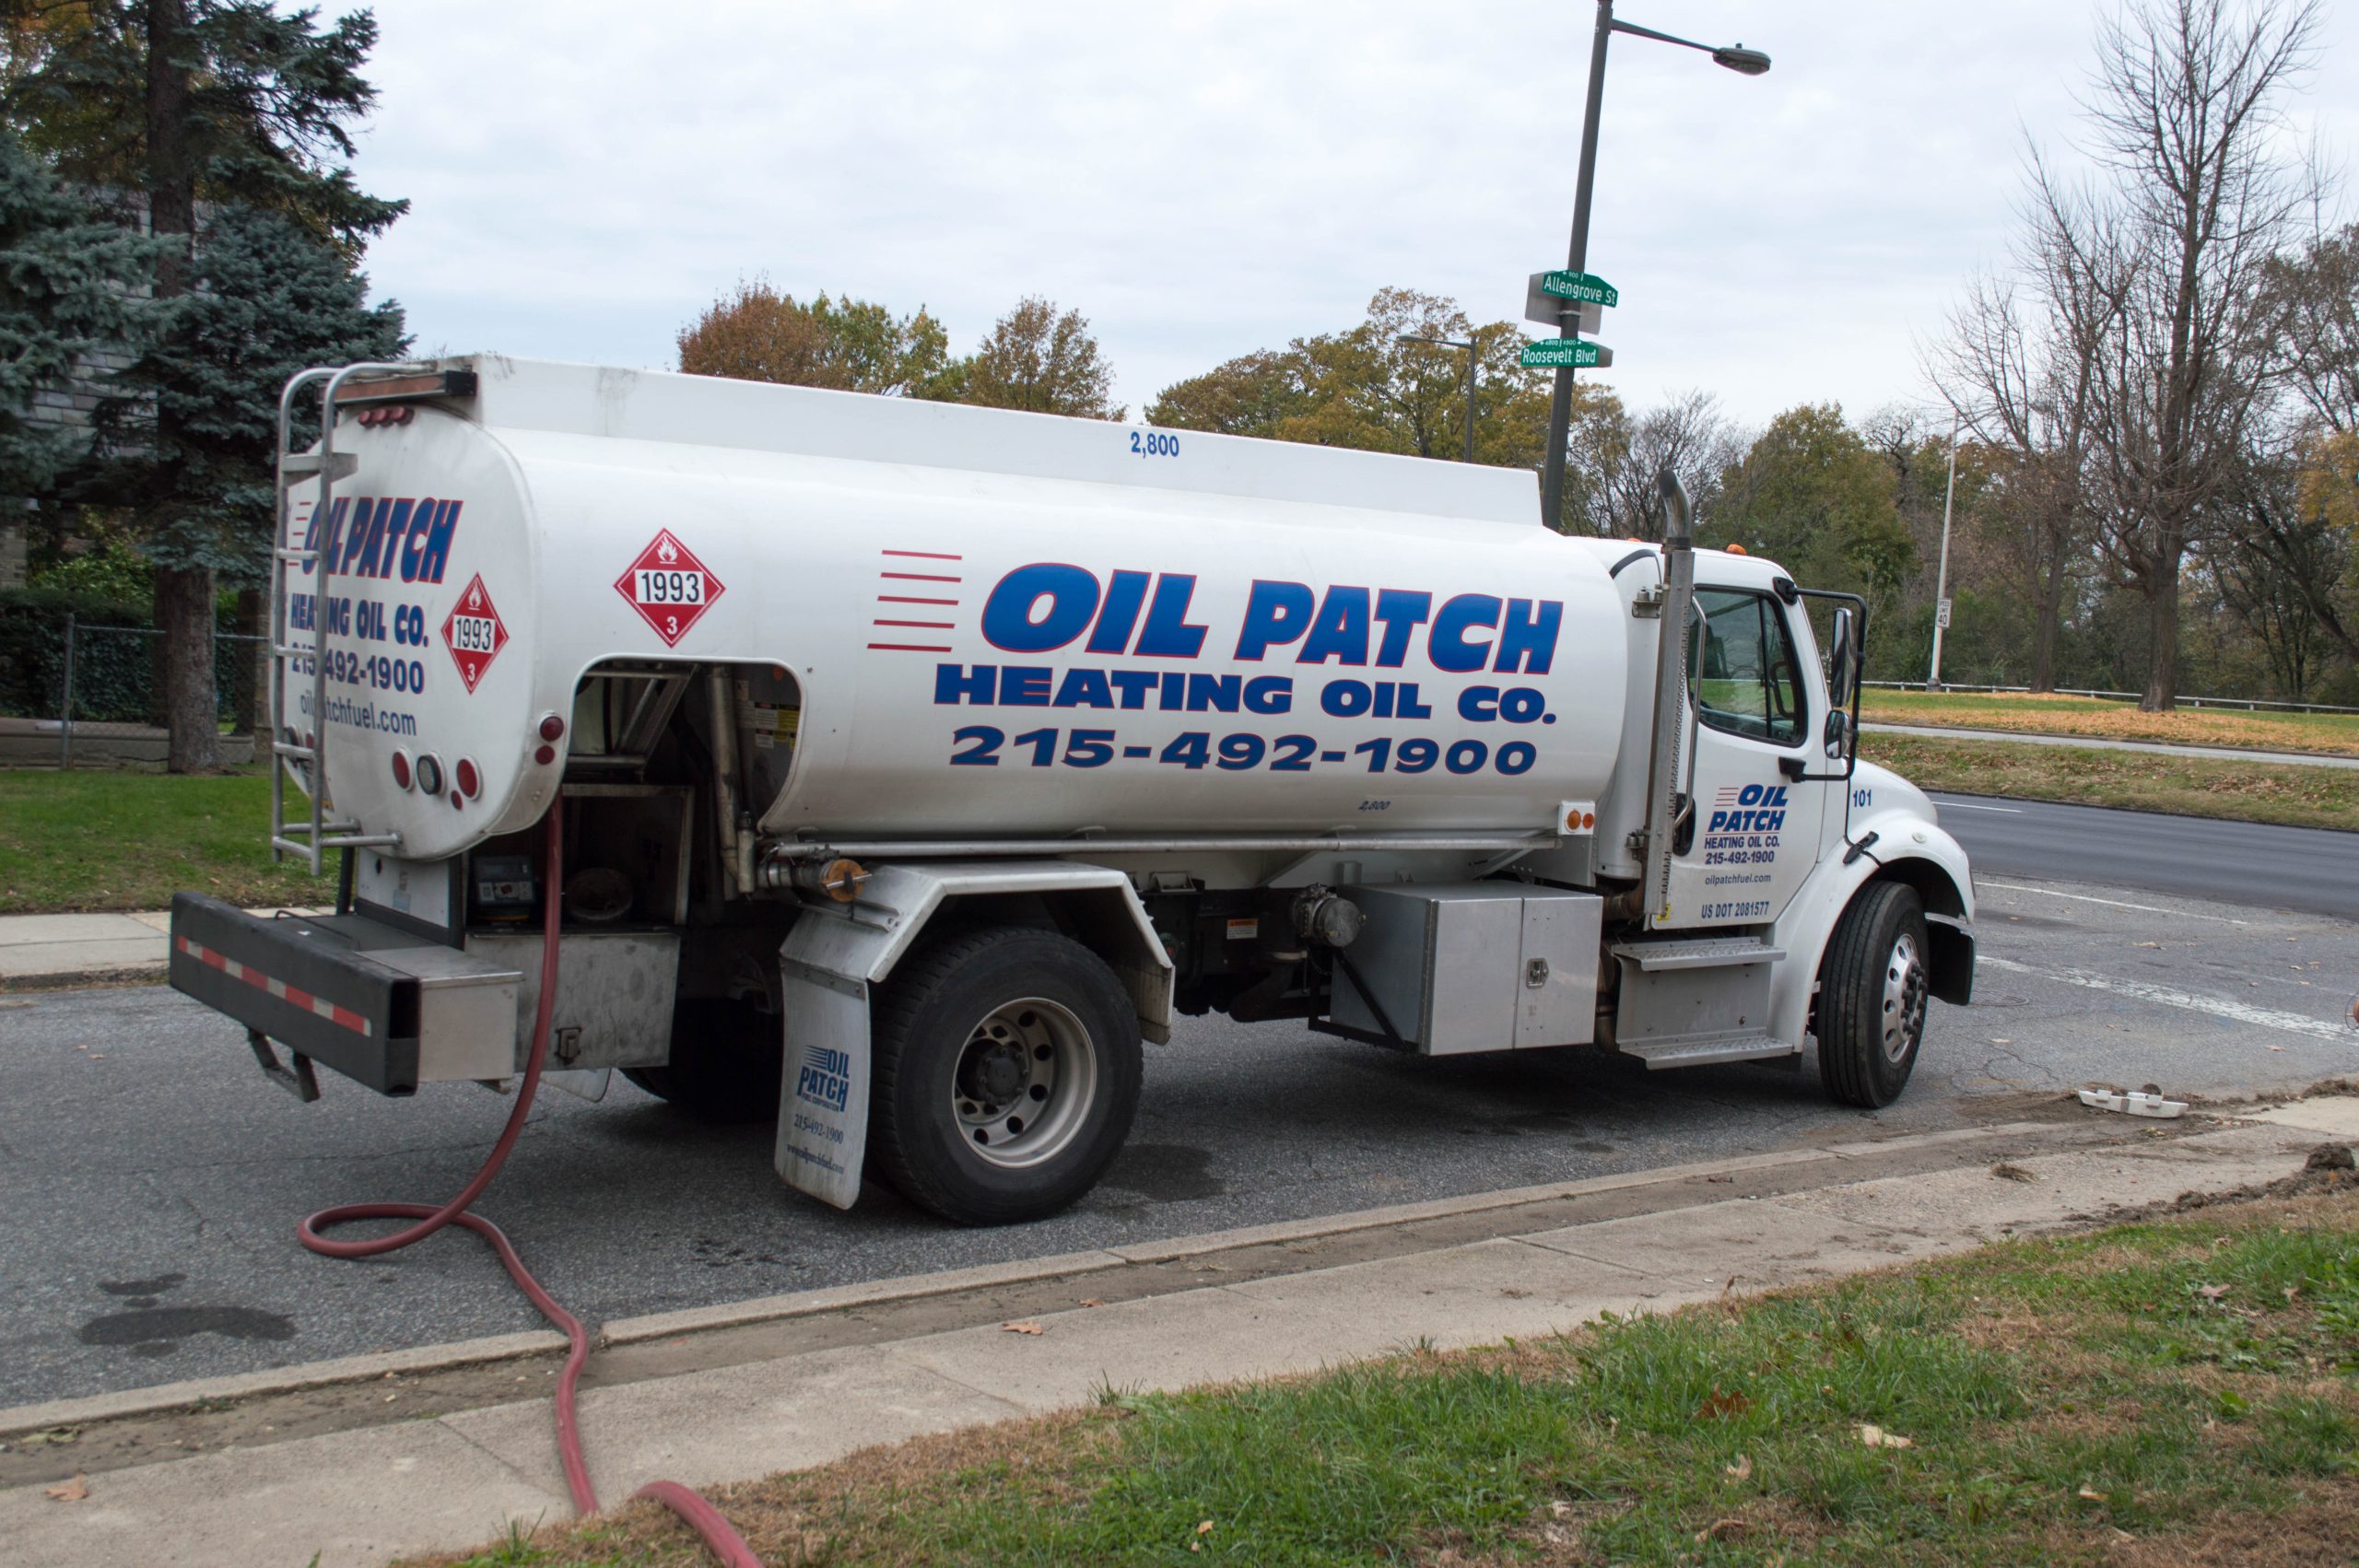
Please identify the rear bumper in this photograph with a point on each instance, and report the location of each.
(374, 1003)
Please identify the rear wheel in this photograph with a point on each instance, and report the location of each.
(1873, 987)
(1005, 1074)
(727, 1058)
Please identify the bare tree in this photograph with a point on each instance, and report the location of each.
(2193, 197)
(2018, 368)
(1617, 459)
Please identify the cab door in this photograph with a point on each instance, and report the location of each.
(1751, 832)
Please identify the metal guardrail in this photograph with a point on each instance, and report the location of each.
(2249, 704)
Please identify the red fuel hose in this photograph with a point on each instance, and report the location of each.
(701, 1516)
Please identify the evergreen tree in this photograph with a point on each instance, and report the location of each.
(182, 106)
(190, 448)
(70, 284)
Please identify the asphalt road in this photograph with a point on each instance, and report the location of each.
(2247, 862)
(153, 1180)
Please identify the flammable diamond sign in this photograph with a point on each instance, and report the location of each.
(669, 586)
(475, 632)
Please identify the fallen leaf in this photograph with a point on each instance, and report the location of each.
(2006, 1171)
(70, 1492)
(1721, 1529)
(1877, 1437)
(1027, 1326)
(2211, 1292)
(1717, 1405)
(1092, 1301)
(1560, 1508)
(55, 1434)
(1205, 1528)
(1997, 1041)
(1513, 1293)
(2091, 1495)
(1722, 1178)
(1741, 1470)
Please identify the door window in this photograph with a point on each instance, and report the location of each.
(1745, 677)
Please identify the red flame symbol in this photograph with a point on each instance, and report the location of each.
(474, 597)
(665, 551)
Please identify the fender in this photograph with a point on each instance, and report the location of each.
(1909, 847)
(836, 955)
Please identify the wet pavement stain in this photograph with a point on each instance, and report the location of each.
(1164, 1172)
(143, 1292)
(152, 1330)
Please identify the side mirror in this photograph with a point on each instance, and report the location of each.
(1838, 733)
(1842, 669)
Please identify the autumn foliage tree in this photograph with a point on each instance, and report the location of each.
(1043, 360)
(758, 334)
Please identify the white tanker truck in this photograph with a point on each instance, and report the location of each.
(915, 762)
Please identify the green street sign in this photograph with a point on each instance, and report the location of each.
(1585, 286)
(1556, 353)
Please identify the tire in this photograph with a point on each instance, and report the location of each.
(1873, 990)
(1004, 1074)
(727, 1059)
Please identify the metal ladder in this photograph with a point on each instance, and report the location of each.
(305, 752)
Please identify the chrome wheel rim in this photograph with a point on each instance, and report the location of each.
(1023, 1084)
(1905, 994)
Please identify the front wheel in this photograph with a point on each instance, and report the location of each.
(1005, 1074)
(1872, 989)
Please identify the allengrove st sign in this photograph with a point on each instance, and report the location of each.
(1586, 287)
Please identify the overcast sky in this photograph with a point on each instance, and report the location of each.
(1217, 176)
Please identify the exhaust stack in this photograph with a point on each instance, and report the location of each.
(1671, 699)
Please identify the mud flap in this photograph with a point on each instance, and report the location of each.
(822, 1096)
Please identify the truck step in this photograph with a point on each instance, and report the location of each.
(1690, 1052)
(1698, 952)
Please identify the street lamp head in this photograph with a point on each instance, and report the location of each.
(1743, 61)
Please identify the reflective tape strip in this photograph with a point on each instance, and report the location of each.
(293, 995)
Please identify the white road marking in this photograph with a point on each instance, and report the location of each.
(1962, 806)
(2218, 1007)
(2115, 902)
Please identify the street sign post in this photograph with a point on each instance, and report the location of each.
(1558, 353)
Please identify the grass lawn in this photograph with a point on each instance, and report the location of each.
(117, 839)
(2335, 733)
(2182, 1391)
(2294, 794)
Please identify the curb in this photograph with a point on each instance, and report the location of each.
(165, 1397)
(72, 979)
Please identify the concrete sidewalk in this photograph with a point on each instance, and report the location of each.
(86, 950)
(2095, 742)
(881, 1362)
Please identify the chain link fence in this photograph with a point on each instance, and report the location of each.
(94, 693)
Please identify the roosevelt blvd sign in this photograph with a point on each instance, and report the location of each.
(1558, 353)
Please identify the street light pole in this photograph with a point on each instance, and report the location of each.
(1942, 577)
(1737, 58)
(1454, 343)
(1560, 402)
